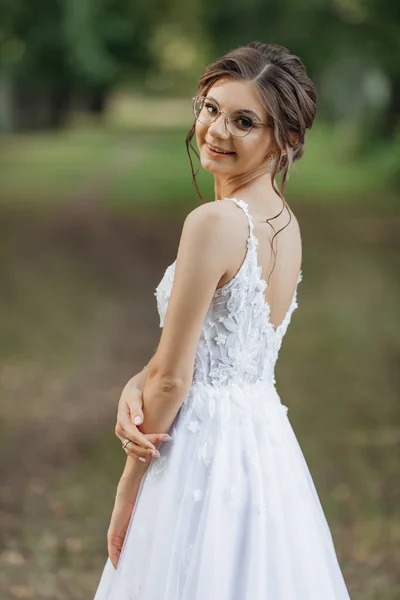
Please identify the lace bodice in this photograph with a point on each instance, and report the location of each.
(238, 343)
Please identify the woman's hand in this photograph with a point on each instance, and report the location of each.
(123, 507)
(130, 414)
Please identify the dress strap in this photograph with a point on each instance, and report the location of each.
(244, 206)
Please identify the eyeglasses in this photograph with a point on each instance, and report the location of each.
(238, 122)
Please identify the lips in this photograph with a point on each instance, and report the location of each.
(218, 150)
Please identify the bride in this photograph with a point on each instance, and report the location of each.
(221, 504)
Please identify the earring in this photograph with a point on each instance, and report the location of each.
(271, 163)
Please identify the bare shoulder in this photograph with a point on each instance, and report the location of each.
(211, 219)
(294, 219)
(207, 236)
(293, 236)
(295, 225)
(215, 210)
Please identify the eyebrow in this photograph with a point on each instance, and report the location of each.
(244, 110)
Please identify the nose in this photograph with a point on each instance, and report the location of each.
(218, 127)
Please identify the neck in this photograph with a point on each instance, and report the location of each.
(250, 184)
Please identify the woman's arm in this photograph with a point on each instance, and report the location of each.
(203, 254)
(130, 416)
(140, 378)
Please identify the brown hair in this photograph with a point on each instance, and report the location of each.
(286, 91)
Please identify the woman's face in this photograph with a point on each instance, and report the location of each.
(248, 153)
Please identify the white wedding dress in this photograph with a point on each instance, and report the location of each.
(229, 511)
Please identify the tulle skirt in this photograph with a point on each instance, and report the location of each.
(229, 511)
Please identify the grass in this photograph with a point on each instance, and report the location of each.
(151, 164)
(45, 168)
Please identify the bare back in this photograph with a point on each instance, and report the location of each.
(288, 249)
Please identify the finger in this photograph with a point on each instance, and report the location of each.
(113, 555)
(137, 417)
(158, 438)
(135, 406)
(125, 430)
(145, 454)
(114, 560)
(148, 450)
(130, 431)
(133, 449)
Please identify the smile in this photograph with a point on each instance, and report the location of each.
(216, 150)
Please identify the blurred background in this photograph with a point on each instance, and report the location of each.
(95, 103)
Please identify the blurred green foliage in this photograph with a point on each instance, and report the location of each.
(61, 54)
(151, 169)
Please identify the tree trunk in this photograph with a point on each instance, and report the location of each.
(392, 118)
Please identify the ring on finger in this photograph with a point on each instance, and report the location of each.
(126, 442)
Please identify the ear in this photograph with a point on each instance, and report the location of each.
(294, 138)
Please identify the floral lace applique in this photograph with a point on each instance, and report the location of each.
(229, 323)
(261, 509)
(231, 494)
(134, 589)
(220, 374)
(220, 339)
(194, 426)
(203, 405)
(207, 451)
(156, 467)
(238, 343)
(197, 495)
(186, 556)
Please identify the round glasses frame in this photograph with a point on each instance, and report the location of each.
(213, 119)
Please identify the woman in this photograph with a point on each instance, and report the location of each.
(225, 508)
